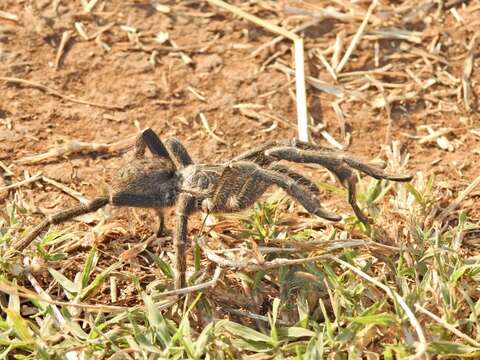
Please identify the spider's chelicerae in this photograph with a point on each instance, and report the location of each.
(170, 178)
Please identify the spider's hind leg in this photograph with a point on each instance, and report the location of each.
(59, 217)
(148, 138)
(178, 153)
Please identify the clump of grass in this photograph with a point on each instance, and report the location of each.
(342, 307)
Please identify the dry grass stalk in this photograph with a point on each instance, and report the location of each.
(13, 289)
(88, 7)
(301, 97)
(337, 52)
(280, 37)
(185, 58)
(33, 178)
(196, 93)
(381, 89)
(60, 320)
(113, 289)
(81, 30)
(467, 72)
(341, 119)
(56, 93)
(356, 38)
(8, 16)
(96, 35)
(316, 83)
(456, 203)
(73, 193)
(331, 140)
(209, 130)
(66, 36)
(447, 326)
(194, 288)
(422, 346)
(398, 34)
(6, 169)
(76, 146)
(325, 63)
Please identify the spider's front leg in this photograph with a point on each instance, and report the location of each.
(242, 183)
(339, 164)
(185, 206)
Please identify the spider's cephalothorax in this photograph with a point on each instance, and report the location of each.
(170, 178)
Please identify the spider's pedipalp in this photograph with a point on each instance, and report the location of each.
(337, 163)
(333, 161)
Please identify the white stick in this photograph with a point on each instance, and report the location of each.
(301, 91)
(301, 96)
(356, 38)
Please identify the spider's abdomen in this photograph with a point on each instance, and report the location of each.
(146, 179)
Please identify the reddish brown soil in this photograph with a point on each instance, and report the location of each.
(158, 95)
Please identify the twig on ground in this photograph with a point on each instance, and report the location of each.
(194, 288)
(447, 326)
(422, 348)
(56, 93)
(301, 102)
(66, 36)
(356, 38)
(33, 178)
(209, 130)
(467, 72)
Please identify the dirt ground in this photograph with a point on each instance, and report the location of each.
(138, 78)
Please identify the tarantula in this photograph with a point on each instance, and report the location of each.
(171, 178)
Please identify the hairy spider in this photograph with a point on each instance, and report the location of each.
(171, 178)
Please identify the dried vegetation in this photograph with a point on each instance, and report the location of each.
(271, 282)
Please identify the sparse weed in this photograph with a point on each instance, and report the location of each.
(309, 311)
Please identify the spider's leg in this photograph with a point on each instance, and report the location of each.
(258, 175)
(141, 200)
(331, 160)
(340, 165)
(237, 190)
(299, 178)
(257, 154)
(148, 138)
(185, 206)
(161, 223)
(59, 217)
(374, 171)
(178, 153)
